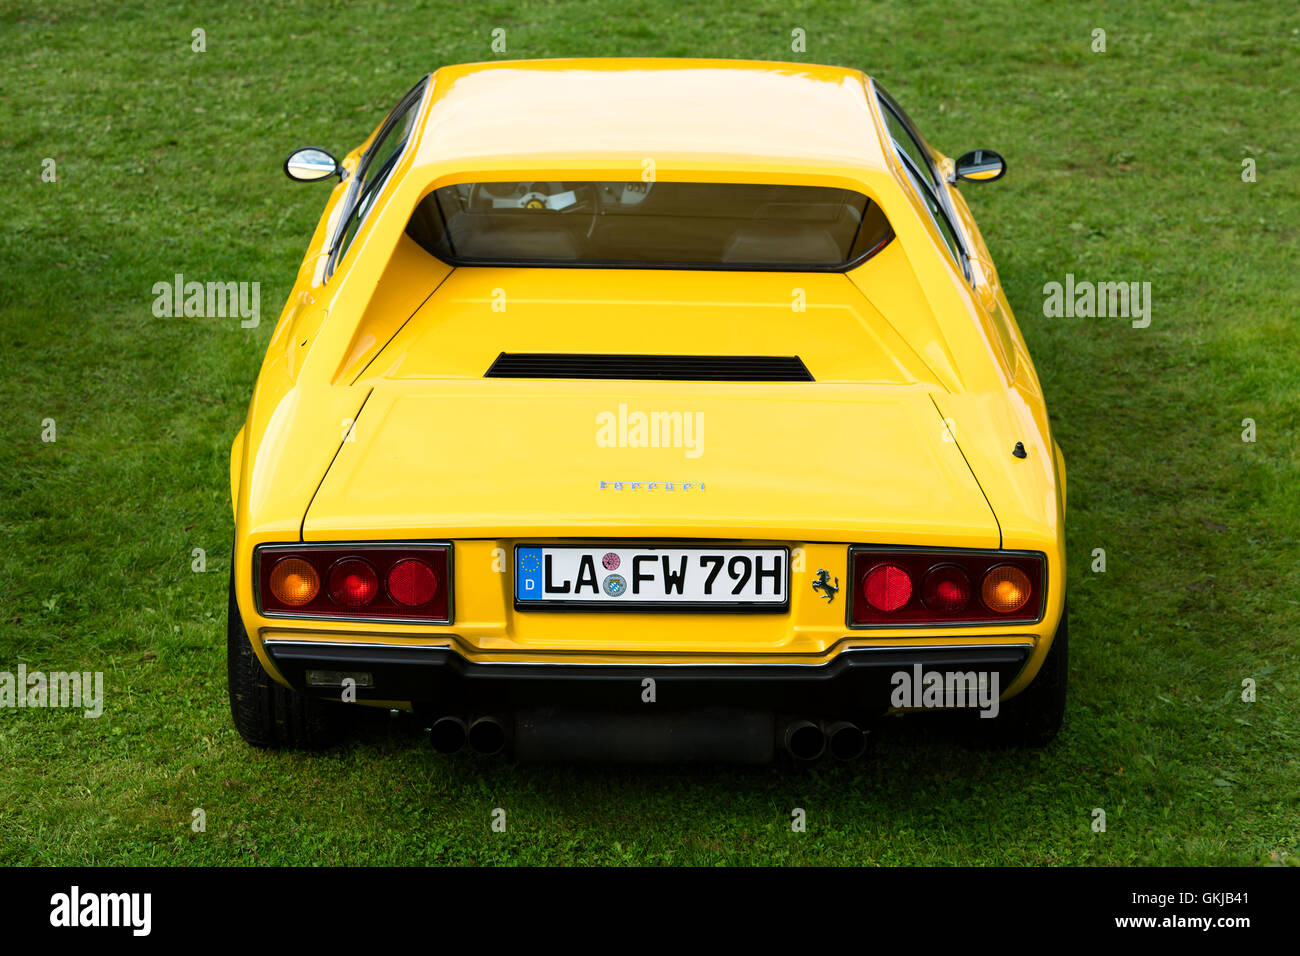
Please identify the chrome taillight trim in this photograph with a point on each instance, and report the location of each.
(353, 546)
(939, 555)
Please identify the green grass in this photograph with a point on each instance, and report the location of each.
(1125, 166)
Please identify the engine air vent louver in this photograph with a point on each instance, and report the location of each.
(674, 368)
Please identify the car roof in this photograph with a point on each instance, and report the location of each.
(702, 113)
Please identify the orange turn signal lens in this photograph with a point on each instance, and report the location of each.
(294, 582)
(1005, 589)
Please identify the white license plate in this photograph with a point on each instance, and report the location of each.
(609, 577)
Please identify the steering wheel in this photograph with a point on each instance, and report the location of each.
(540, 197)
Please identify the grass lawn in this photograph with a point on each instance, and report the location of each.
(1125, 165)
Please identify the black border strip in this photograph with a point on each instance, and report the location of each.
(650, 607)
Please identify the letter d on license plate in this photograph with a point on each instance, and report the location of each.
(608, 577)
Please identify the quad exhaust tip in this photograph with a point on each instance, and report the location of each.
(483, 735)
(448, 735)
(847, 741)
(805, 740)
(487, 736)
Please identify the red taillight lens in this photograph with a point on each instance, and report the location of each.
(917, 587)
(887, 587)
(353, 583)
(376, 582)
(412, 582)
(946, 589)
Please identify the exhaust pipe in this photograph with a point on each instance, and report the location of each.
(804, 740)
(847, 741)
(447, 735)
(487, 735)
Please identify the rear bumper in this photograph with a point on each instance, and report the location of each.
(857, 683)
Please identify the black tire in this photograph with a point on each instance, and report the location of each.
(266, 713)
(1034, 716)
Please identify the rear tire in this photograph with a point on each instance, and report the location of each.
(1034, 716)
(266, 713)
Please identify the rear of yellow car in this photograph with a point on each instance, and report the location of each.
(706, 465)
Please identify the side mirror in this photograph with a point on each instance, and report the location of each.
(980, 166)
(311, 164)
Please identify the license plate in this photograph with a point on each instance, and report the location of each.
(612, 577)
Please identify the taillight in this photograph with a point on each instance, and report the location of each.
(887, 587)
(353, 583)
(1005, 589)
(412, 582)
(294, 582)
(946, 589)
(379, 582)
(915, 587)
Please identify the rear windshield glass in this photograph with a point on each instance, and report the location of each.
(656, 225)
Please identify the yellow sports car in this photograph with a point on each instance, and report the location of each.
(647, 410)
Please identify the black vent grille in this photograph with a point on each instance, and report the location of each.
(669, 368)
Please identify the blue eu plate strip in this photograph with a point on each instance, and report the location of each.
(528, 574)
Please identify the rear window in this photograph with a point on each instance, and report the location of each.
(650, 225)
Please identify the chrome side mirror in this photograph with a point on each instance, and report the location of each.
(311, 164)
(980, 166)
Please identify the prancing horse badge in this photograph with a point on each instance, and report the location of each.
(823, 583)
